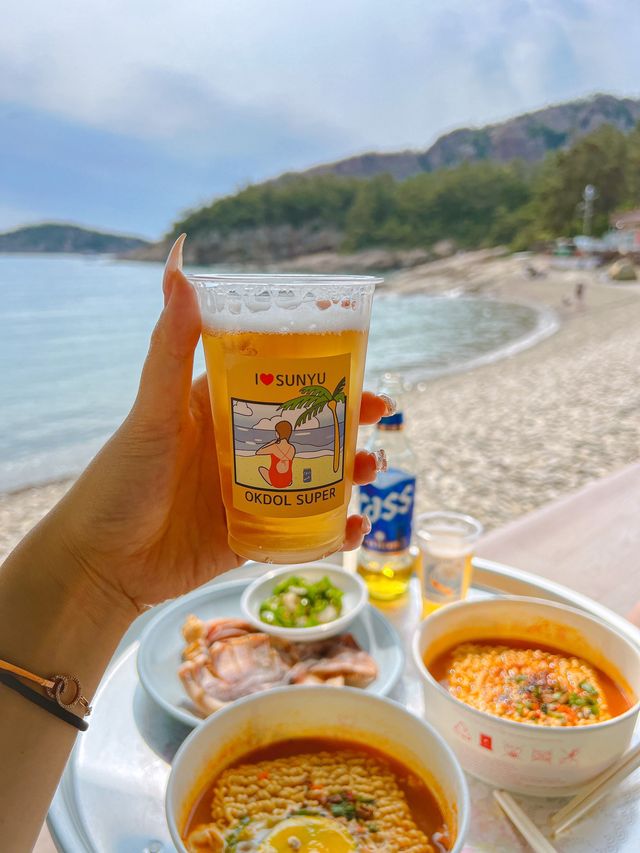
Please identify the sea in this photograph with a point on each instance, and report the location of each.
(74, 331)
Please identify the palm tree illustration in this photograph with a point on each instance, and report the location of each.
(313, 399)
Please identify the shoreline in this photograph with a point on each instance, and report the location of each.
(506, 433)
(548, 323)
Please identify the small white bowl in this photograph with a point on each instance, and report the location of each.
(301, 712)
(354, 600)
(543, 761)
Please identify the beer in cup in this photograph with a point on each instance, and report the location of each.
(285, 359)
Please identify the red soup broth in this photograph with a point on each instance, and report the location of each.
(618, 699)
(424, 807)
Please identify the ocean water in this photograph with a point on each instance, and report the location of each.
(74, 332)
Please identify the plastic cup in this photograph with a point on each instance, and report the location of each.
(285, 362)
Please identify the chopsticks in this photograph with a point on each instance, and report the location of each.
(596, 790)
(525, 826)
(575, 808)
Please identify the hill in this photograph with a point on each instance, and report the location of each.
(57, 237)
(514, 183)
(528, 137)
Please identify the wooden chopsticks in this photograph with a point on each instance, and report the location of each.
(596, 790)
(575, 808)
(525, 826)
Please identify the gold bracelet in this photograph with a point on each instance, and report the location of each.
(54, 687)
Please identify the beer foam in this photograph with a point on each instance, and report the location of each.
(334, 306)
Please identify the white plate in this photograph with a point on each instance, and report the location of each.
(160, 652)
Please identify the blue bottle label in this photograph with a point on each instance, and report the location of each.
(389, 505)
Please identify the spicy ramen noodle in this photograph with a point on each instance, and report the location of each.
(545, 687)
(341, 798)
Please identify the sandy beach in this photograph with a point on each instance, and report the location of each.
(501, 439)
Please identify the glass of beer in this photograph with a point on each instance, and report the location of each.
(285, 361)
(446, 540)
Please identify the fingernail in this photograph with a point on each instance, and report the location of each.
(365, 526)
(381, 460)
(390, 404)
(174, 259)
(173, 264)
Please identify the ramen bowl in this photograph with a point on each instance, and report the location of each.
(344, 714)
(527, 758)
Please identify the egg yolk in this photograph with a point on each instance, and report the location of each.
(308, 835)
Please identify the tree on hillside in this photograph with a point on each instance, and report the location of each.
(463, 204)
(322, 200)
(599, 159)
(633, 169)
(374, 205)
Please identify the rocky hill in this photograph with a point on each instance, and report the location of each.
(527, 137)
(56, 238)
(465, 188)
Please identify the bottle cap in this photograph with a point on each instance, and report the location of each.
(394, 421)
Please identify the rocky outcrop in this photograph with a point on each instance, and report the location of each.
(248, 245)
(529, 137)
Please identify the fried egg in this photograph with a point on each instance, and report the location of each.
(304, 834)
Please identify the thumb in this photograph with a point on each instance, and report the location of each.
(165, 383)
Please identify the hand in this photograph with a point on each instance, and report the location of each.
(146, 519)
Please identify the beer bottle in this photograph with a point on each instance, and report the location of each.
(386, 560)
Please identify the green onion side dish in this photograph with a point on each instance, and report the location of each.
(297, 603)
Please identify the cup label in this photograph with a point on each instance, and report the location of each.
(288, 420)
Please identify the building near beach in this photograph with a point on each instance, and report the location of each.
(625, 233)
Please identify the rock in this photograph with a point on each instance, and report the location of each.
(623, 270)
(444, 248)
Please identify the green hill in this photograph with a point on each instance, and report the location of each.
(475, 204)
(57, 237)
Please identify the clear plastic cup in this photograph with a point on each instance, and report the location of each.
(285, 361)
(446, 541)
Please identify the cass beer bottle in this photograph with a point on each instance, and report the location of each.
(386, 560)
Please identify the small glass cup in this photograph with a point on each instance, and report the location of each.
(446, 540)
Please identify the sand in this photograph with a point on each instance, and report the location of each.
(501, 439)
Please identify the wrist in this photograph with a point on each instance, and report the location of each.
(55, 621)
(57, 618)
(72, 574)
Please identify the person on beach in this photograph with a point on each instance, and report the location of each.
(145, 522)
(280, 473)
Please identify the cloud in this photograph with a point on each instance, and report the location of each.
(372, 73)
(200, 97)
(52, 167)
(270, 423)
(242, 408)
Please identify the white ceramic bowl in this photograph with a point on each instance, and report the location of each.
(355, 598)
(295, 712)
(528, 759)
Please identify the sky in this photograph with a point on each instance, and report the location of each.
(123, 114)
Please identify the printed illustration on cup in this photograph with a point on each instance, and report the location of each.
(293, 444)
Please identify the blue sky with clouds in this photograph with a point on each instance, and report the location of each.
(122, 114)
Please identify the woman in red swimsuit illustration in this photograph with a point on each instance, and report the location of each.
(280, 473)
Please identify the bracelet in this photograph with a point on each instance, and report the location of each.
(54, 688)
(47, 704)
